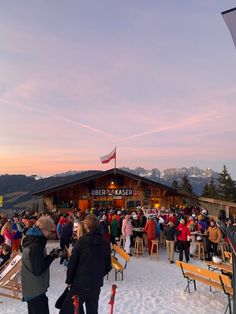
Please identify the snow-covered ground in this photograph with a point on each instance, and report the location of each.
(150, 286)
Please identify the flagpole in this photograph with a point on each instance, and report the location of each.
(115, 161)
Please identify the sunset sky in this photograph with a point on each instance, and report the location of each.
(156, 79)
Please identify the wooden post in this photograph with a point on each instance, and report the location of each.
(115, 162)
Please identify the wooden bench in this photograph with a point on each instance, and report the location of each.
(193, 273)
(115, 260)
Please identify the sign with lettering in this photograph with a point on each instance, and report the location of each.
(112, 192)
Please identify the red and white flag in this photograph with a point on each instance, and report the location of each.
(229, 17)
(109, 157)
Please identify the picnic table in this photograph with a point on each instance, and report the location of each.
(220, 267)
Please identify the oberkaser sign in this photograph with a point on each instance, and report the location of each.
(112, 192)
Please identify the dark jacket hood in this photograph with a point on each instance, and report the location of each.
(93, 237)
(32, 235)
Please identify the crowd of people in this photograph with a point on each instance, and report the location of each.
(91, 234)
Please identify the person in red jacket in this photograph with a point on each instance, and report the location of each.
(150, 229)
(182, 238)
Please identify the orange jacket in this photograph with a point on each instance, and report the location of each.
(214, 234)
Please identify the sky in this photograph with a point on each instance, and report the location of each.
(156, 79)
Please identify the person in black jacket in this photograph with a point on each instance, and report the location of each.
(66, 237)
(35, 266)
(89, 263)
(170, 233)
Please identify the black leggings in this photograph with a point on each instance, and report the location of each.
(88, 296)
(183, 246)
(38, 305)
(211, 247)
(113, 239)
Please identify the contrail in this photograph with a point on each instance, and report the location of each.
(190, 121)
(47, 113)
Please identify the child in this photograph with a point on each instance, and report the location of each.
(5, 253)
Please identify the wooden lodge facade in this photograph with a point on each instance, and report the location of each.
(214, 206)
(112, 188)
(116, 188)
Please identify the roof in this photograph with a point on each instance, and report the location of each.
(216, 201)
(95, 174)
(78, 178)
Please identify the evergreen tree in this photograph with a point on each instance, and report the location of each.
(186, 185)
(210, 189)
(175, 184)
(226, 190)
(213, 189)
(206, 190)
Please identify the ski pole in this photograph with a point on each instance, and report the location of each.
(75, 300)
(112, 298)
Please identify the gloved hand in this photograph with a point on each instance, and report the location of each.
(57, 252)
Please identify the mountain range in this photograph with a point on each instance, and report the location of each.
(197, 177)
(17, 189)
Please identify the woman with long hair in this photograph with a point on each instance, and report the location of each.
(7, 233)
(80, 229)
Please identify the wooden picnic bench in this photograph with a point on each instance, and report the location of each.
(223, 267)
(116, 260)
(193, 273)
